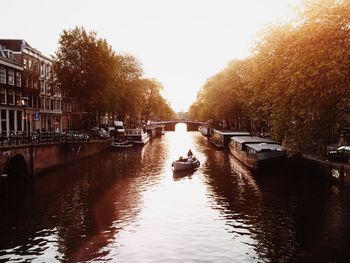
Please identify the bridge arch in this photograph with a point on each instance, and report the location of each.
(17, 167)
(191, 125)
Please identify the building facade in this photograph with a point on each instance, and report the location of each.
(27, 101)
(50, 100)
(12, 117)
(24, 54)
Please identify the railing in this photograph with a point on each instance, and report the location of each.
(20, 138)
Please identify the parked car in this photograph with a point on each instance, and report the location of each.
(103, 133)
(342, 154)
(96, 133)
(83, 136)
(70, 135)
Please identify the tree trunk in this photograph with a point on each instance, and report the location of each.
(98, 115)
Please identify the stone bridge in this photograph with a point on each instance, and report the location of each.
(170, 125)
(25, 161)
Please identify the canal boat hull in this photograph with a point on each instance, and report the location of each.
(121, 145)
(205, 131)
(256, 153)
(259, 160)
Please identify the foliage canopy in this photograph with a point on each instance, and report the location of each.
(88, 71)
(297, 80)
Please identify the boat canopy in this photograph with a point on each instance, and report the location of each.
(232, 133)
(265, 147)
(252, 139)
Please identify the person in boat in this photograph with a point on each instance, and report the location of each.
(189, 153)
(189, 159)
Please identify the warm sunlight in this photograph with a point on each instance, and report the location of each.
(180, 43)
(175, 131)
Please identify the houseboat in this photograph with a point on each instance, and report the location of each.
(221, 138)
(256, 152)
(205, 130)
(137, 136)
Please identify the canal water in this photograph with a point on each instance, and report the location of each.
(128, 206)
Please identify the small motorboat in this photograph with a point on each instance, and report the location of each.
(121, 145)
(185, 164)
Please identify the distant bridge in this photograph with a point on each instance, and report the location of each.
(170, 125)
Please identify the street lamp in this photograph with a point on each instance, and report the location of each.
(24, 103)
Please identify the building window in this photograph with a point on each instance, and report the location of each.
(36, 67)
(35, 84)
(12, 120)
(30, 100)
(11, 77)
(3, 121)
(2, 75)
(47, 104)
(11, 97)
(36, 101)
(25, 78)
(19, 120)
(42, 87)
(3, 96)
(18, 79)
(18, 98)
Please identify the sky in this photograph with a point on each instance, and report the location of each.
(181, 43)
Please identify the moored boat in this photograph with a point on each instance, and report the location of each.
(137, 136)
(124, 144)
(121, 141)
(205, 130)
(256, 152)
(221, 138)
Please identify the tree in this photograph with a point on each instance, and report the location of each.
(153, 105)
(297, 79)
(222, 97)
(87, 70)
(124, 97)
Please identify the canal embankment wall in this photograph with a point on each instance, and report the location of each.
(47, 157)
(334, 171)
(26, 161)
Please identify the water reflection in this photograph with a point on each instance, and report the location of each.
(128, 206)
(178, 175)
